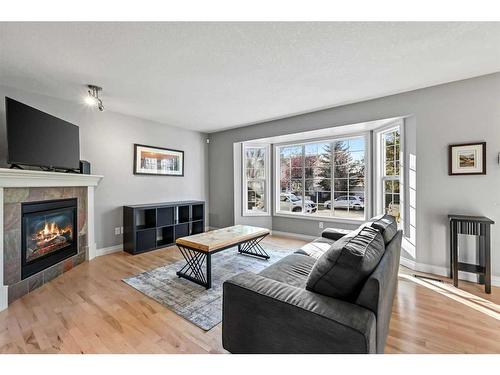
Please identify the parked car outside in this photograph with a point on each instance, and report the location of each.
(290, 202)
(354, 202)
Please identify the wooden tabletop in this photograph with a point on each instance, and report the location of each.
(220, 238)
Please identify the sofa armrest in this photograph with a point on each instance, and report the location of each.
(334, 233)
(262, 315)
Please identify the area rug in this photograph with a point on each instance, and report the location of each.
(191, 301)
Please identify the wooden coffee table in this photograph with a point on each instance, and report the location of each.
(198, 249)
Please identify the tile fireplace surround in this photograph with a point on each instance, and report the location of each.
(18, 186)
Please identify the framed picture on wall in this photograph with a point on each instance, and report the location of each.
(467, 158)
(158, 161)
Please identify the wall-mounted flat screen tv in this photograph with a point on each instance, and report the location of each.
(36, 138)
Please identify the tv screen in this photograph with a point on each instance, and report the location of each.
(38, 139)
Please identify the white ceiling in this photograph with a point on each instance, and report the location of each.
(213, 76)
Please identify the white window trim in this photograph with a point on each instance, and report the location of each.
(267, 182)
(379, 169)
(329, 219)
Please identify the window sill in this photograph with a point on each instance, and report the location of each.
(327, 219)
(255, 214)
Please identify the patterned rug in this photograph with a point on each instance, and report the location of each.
(191, 301)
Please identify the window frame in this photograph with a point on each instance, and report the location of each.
(267, 180)
(366, 135)
(381, 177)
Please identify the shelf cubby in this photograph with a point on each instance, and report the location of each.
(165, 216)
(197, 212)
(146, 240)
(183, 214)
(197, 227)
(181, 230)
(145, 218)
(165, 236)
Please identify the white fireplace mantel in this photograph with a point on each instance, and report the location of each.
(28, 178)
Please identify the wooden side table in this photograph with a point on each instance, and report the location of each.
(478, 226)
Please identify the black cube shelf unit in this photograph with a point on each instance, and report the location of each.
(148, 227)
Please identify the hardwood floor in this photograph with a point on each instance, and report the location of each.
(90, 310)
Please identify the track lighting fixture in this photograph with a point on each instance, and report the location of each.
(93, 98)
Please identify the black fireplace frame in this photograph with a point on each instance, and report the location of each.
(45, 261)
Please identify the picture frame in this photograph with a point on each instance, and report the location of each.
(158, 161)
(467, 159)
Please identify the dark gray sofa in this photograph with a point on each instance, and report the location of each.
(274, 312)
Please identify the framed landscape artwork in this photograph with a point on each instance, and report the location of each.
(467, 158)
(158, 161)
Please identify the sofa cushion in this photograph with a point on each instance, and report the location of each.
(386, 225)
(342, 270)
(335, 233)
(292, 270)
(316, 248)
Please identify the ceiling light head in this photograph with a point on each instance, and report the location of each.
(93, 97)
(90, 100)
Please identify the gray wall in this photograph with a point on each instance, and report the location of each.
(106, 140)
(461, 111)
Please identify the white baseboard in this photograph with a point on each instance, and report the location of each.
(293, 235)
(3, 297)
(109, 250)
(443, 271)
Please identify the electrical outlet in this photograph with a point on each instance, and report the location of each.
(320, 225)
(121, 230)
(117, 231)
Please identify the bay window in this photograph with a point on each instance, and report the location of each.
(322, 178)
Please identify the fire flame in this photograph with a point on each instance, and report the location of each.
(48, 238)
(51, 231)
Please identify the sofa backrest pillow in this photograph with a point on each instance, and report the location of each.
(343, 269)
(387, 226)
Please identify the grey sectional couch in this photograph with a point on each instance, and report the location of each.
(334, 295)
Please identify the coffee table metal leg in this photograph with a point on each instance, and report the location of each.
(198, 267)
(193, 270)
(253, 247)
(209, 271)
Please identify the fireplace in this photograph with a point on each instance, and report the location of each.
(49, 234)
